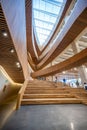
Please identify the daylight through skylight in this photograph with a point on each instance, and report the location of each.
(46, 14)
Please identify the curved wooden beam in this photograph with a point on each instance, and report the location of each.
(76, 23)
(75, 61)
(36, 46)
(31, 62)
(30, 46)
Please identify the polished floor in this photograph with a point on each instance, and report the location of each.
(48, 117)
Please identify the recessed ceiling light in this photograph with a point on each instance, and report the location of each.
(18, 65)
(5, 34)
(63, 72)
(12, 50)
(75, 68)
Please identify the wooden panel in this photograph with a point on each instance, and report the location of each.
(15, 16)
(75, 25)
(7, 59)
(74, 61)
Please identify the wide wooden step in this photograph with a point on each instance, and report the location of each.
(61, 88)
(44, 85)
(38, 91)
(45, 92)
(32, 96)
(46, 88)
(56, 88)
(51, 101)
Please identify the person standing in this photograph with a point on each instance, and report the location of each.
(77, 83)
(64, 81)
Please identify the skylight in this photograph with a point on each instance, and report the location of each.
(46, 14)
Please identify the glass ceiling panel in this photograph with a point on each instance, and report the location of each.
(46, 14)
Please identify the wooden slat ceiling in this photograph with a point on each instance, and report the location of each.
(8, 60)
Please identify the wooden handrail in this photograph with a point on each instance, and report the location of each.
(20, 94)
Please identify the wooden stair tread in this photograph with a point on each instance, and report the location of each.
(33, 96)
(50, 99)
(47, 94)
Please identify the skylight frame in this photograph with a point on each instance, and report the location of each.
(57, 16)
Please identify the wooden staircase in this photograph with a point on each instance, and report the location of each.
(44, 92)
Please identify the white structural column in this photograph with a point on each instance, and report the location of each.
(81, 69)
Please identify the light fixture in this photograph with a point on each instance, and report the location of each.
(12, 50)
(18, 65)
(75, 68)
(63, 72)
(5, 34)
